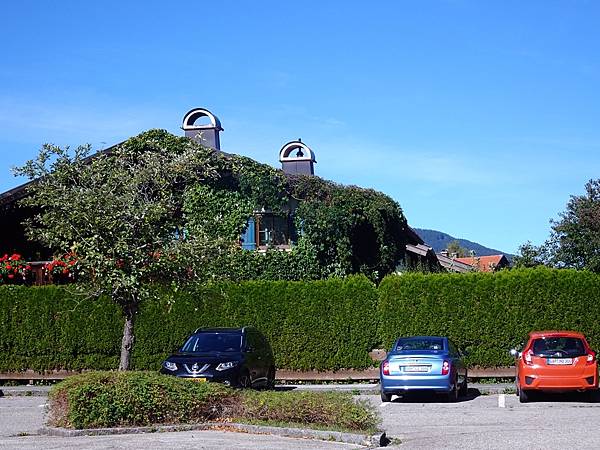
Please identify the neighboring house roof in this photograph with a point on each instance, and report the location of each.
(419, 249)
(453, 265)
(485, 263)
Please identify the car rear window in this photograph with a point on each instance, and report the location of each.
(420, 344)
(213, 342)
(558, 346)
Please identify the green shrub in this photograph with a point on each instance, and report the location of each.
(112, 399)
(117, 399)
(487, 314)
(322, 409)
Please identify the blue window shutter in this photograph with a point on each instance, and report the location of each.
(248, 238)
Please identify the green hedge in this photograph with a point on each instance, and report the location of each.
(487, 314)
(50, 327)
(322, 325)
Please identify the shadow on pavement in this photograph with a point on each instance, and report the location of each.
(566, 397)
(429, 397)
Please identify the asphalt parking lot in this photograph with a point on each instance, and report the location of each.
(419, 422)
(492, 422)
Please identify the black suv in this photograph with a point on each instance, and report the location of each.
(240, 357)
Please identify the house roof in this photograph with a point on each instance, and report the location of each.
(419, 249)
(453, 265)
(484, 263)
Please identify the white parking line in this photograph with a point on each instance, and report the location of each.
(502, 401)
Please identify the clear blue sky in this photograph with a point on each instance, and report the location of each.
(480, 118)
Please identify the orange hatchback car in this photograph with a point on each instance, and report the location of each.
(555, 361)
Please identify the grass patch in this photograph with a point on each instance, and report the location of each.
(321, 410)
(118, 399)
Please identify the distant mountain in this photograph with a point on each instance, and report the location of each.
(439, 241)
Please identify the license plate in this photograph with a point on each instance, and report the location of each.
(559, 361)
(416, 368)
(198, 380)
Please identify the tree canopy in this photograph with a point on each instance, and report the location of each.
(121, 213)
(574, 240)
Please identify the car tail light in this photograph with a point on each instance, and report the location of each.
(528, 358)
(386, 368)
(445, 368)
(591, 358)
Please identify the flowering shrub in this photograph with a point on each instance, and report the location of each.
(13, 269)
(63, 268)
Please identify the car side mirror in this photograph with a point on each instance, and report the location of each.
(515, 353)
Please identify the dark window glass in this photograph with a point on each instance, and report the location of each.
(273, 230)
(213, 342)
(558, 347)
(420, 344)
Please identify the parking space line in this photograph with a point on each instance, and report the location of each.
(501, 401)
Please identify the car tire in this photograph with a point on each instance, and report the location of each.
(464, 388)
(453, 394)
(524, 396)
(244, 381)
(271, 378)
(385, 397)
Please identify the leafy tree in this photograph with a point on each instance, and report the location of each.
(454, 248)
(575, 238)
(530, 256)
(121, 213)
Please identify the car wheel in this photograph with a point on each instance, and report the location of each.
(386, 397)
(271, 378)
(464, 389)
(523, 396)
(453, 394)
(244, 380)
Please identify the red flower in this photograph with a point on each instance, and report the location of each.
(11, 276)
(65, 271)
(15, 257)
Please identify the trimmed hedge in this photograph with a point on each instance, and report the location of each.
(322, 325)
(51, 327)
(488, 314)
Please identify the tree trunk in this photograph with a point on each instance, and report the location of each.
(127, 341)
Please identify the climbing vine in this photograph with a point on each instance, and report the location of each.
(341, 230)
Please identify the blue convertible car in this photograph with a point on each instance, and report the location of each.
(417, 363)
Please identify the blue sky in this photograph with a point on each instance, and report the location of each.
(480, 118)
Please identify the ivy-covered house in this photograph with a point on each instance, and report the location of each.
(281, 223)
